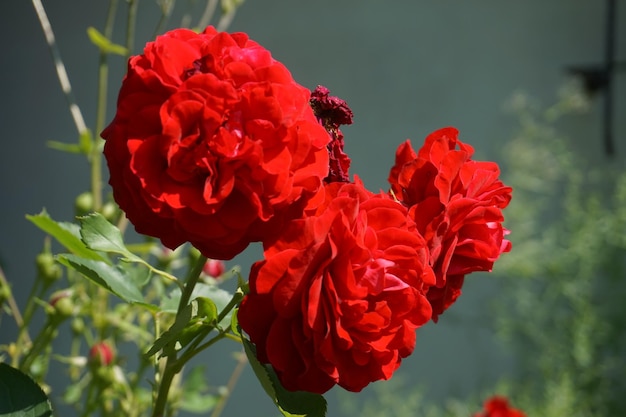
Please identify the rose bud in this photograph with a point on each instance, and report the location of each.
(214, 268)
(101, 354)
(61, 303)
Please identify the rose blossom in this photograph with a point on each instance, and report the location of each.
(340, 293)
(213, 143)
(499, 407)
(457, 205)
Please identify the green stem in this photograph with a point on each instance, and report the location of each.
(130, 27)
(41, 342)
(77, 116)
(95, 158)
(166, 11)
(36, 293)
(172, 366)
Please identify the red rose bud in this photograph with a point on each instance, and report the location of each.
(101, 354)
(213, 143)
(214, 268)
(499, 407)
(457, 205)
(340, 293)
(333, 112)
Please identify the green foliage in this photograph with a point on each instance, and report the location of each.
(563, 283)
(20, 396)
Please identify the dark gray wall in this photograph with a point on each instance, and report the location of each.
(405, 67)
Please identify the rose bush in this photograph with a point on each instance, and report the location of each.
(340, 293)
(499, 407)
(457, 204)
(213, 143)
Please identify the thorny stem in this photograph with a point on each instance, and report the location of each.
(172, 366)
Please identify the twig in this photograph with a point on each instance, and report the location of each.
(79, 121)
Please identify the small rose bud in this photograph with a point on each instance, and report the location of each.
(83, 203)
(47, 268)
(62, 304)
(214, 268)
(78, 326)
(101, 354)
(110, 211)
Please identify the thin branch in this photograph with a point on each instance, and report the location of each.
(79, 121)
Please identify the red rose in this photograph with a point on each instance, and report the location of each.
(457, 205)
(213, 143)
(499, 407)
(339, 294)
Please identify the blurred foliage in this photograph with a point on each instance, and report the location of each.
(560, 309)
(563, 285)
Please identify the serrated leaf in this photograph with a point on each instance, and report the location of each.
(65, 233)
(20, 396)
(104, 44)
(113, 278)
(290, 403)
(98, 234)
(219, 297)
(169, 337)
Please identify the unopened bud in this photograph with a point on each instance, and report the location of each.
(83, 203)
(62, 304)
(214, 268)
(47, 267)
(101, 354)
(110, 211)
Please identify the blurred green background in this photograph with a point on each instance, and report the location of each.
(406, 68)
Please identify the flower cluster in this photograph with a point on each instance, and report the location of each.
(214, 143)
(499, 407)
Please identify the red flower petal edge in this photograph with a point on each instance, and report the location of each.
(213, 143)
(457, 204)
(340, 293)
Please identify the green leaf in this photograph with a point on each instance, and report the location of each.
(103, 43)
(290, 403)
(20, 396)
(220, 298)
(167, 340)
(65, 233)
(111, 277)
(98, 234)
